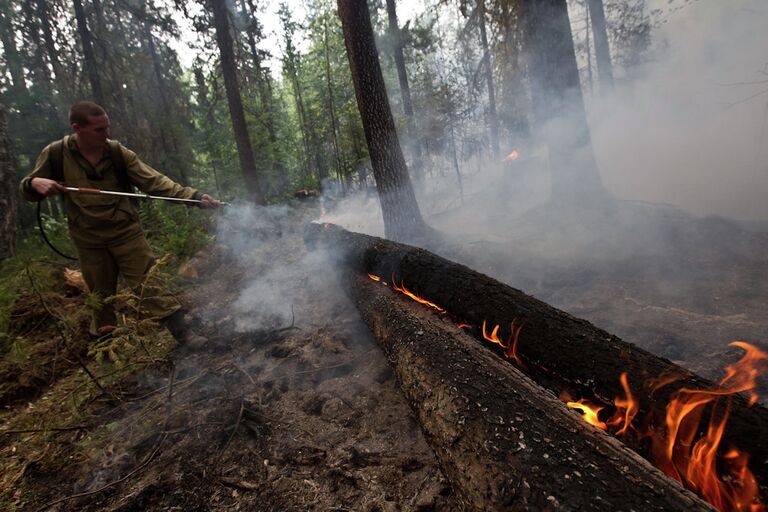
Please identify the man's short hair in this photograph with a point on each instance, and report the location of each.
(82, 110)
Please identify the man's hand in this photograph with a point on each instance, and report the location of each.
(207, 201)
(46, 187)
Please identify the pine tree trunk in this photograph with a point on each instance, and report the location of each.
(493, 119)
(331, 106)
(558, 103)
(60, 78)
(402, 218)
(405, 90)
(178, 162)
(602, 50)
(267, 103)
(7, 191)
(236, 112)
(91, 68)
(11, 53)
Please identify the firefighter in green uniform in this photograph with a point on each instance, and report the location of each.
(105, 229)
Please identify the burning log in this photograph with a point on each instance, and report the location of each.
(502, 441)
(564, 354)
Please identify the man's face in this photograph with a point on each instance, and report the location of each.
(95, 133)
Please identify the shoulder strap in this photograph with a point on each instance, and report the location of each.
(121, 169)
(56, 158)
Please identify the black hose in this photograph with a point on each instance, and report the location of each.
(42, 233)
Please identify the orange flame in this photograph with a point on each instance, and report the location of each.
(626, 408)
(589, 412)
(512, 156)
(725, 481)
(406, 291)
(510, 347)
(694, 462)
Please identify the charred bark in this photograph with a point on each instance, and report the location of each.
(402, 217)
(236, 112)
(502, 441)
(560, 352)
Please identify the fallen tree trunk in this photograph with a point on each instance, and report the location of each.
(559, 351)
(502, 441)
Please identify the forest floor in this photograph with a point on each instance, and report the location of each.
(281, 399)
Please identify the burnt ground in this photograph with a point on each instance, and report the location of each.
(279, 398)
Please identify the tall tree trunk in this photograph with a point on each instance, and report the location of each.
(11, 53)
(205, 105)
(91, 68)
(493, 118)
(402, 218)
(405, 90)
(7, 191)
(267, 101)
(177, 163)
(602, 50)
(331, 107)
(236, 112)
(61, 79)
(558, 102)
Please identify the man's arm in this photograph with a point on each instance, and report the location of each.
(38, 184)
(151, 181)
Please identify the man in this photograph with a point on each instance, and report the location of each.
(105, 229)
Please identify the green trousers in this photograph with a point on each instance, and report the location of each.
(131, 260)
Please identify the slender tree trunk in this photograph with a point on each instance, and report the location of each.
(405, 90)
(265, 96)
(402, 218)
(602, 50)
(455, 161)
(493, 118)
(91, 68)
(61, 79)
(177, 163)
(205, 104)
(236, 112)
(558, 102)
(590, 79)
(11, 53)
(331, 107)
(7, 191)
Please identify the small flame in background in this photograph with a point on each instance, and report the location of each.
(724, 481)
(512, 156)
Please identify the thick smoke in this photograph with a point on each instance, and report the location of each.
(691, 129)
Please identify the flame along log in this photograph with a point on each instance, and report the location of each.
(503, 441)
(559, 351)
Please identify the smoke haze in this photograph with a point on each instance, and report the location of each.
(691, 131)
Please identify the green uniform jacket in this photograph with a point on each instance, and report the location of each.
(97, 220)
